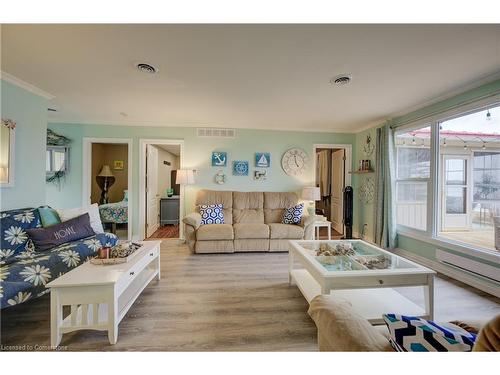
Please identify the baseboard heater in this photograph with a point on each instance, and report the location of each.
(469, 265)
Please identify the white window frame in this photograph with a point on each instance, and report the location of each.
(414, 179)
(430, 235)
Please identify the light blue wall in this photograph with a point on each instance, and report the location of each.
(363, 212)
(197, 155)
(29, 111)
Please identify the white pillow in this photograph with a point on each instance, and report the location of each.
(92, 210)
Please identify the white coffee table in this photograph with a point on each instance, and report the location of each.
(370, 291)
(101, 295)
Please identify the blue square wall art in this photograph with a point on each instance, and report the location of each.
(240, 168)
(262, 159)
(219, 159)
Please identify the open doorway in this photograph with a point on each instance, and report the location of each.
(107, 182)
(331, 176)
(159, 194)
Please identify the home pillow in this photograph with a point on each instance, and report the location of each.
(293, 215)
(211, 214)
(13, 226)
(48, 216)
(92, 210)
(58, 234)
(413, 334)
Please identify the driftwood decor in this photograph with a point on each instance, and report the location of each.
(54, 139)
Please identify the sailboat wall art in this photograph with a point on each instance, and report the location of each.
(262, 159)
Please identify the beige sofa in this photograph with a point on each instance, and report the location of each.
(252, 222)
(341, 328)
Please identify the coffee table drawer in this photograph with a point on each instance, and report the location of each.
(387, 281)
(136, 269)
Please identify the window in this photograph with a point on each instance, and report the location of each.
(412, 177)
(469, 186)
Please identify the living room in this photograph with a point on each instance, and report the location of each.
(250, 187)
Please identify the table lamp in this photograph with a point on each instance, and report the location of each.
(105, 179)
(311, 194)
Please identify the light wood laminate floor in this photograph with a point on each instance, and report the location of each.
(223, 302)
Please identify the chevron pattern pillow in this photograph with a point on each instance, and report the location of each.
(413, 334)
(293, 215)
(211, 214)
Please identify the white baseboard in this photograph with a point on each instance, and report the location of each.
(453, 272)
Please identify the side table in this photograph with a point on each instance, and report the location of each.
(320, 224)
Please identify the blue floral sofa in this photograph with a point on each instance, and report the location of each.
(24, 271)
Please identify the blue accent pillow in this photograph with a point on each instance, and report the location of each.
(48, 216)
(58, 234)
(211, 214)
(13, 226)
(293, 215)
(413, 334)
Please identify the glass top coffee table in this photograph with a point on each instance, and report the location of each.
(361, 273)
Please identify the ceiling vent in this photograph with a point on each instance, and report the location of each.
(341, 80)
(146, 68)
(216, 132)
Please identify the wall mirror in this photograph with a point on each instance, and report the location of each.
(57, 157)
(7, 137)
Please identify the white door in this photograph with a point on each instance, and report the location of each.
(338, 169)
(152, 197)
(455, 202)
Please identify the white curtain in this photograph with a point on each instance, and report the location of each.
(324, 172)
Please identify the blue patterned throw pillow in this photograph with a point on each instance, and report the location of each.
(13, 226)
(413, 334)
(211, 214)
(293, 215)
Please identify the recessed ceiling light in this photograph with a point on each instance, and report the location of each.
(146, 68)
(341, 79)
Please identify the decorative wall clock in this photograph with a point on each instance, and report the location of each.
(294, 161)
(367, 190)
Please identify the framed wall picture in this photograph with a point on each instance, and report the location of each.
(219, 159)
(118, 165)
(262, 159)
(240, 168)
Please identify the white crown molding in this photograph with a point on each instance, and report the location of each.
(194, 125)
(25, 85)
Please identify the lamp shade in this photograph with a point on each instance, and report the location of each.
(4, 174)
(184, 177)
(105, 171)
(311, 194)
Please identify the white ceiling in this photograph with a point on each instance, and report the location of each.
(248, 76)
